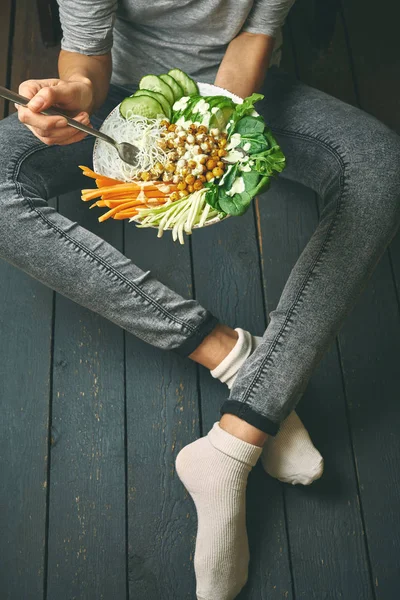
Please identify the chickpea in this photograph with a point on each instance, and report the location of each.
(184, 171)
(145, 176)
(214, 153)
(197, 185)
(181, 186)
(220, 164)
(182, 194)
(209, 175)
(211, 164)
(170, 168)
(174, 196)
(172, 127)
(192, 164)
(190, 179)
(217, 172)
(205, 146)
(202, 178)
(222, 142)
(193, 128)
(203, 160)
(190, 189)
(171, 144)
(164, 123)
(222, 152)
(167, 177)
(202, 129)
(162, 144)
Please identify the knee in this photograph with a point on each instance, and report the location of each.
(373, 155)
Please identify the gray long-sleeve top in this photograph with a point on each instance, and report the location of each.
(154, 36)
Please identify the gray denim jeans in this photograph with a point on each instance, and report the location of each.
(348, 157)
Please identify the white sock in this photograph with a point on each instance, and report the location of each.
(214, 470)
(290, 456)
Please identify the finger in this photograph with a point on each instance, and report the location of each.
(49, 126)
(29, 88)
(78, 137)
(39, 121)
(69, 136)
(49, 96)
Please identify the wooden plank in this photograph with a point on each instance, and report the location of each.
(323, 521)
(25, 356)
(326, 68)
(31, 59)
(228, 281)
(370, 347)
(371, 374)
(375, 50)
(26, 310)
(162, 417)
(394, 253)
(86, 545)
(6, 29)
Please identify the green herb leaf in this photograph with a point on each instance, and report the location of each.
(248, 125)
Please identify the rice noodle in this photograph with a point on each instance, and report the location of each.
(143, 132)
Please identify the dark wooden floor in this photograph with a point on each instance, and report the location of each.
(91, 418)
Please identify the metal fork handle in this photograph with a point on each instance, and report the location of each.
(50, 112)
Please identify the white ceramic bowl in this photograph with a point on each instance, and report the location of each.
(205, 89)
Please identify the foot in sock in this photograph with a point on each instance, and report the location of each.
(290, 456)
(214, 470)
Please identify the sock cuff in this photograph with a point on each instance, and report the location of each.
(232, 446)
(236, 357)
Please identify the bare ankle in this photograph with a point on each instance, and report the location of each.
(215, 347)
(243, 430)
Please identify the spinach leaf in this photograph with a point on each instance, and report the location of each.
(249, 125)
(237, 204)
(257, 143)
(248, 104)
(269, 161)
(212, 195)
(241, 110)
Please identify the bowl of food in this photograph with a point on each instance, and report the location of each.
(204, 154)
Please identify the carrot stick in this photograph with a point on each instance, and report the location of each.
(105, 180)
(113, 211)
(126, 214)
(98, 203)
(117, 202)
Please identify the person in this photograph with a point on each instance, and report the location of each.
(348, 157)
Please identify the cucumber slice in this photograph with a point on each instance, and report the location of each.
(143, 106)
(177, 89)
(177, 114)
(155, 84)
(165, 105)
(187, 84)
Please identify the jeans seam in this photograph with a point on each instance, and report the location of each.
(109, 268)
(249, 393)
